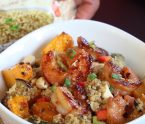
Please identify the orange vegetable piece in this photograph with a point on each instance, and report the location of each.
(19, 105)
(43, 99)
(102, 114)
(19, 71)
(104, 58)
(22, 71)
(60, 43)
(9, 78)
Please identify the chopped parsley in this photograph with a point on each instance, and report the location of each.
(14, 27)
(67, 82)
(111, 89)
(116, 76)
(8, 20)
(91, 76)
(95, 121)
(71, 53)
(53, 88)
(61, 64)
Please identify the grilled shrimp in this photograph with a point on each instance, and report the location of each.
(115, 110)
(94, 51)
(51, 70)
(44, 109)
(79, 93)
(79, 65)
(64, 101)
(124, 79)
(119, 109)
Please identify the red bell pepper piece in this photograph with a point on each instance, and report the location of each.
(43, 99)
(104, 58)
(81, 84)
(102, 114)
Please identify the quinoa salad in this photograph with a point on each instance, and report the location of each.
(68, 84)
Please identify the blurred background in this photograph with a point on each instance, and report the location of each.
(128, 15)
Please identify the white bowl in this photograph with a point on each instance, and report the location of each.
(105, 36)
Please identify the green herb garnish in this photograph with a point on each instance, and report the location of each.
(8, 20)
(14, 27)
(67, 82)
(111, 89)
(91, 76)
(116, 76)
(71, 53)
(95, 121)
(53, 88)
(61, 64)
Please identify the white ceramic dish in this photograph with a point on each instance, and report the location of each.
(105, 36)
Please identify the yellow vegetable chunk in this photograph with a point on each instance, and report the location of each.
(59, 44)
(19, 106)
(9, 78)
(22, 71)
(19, 71)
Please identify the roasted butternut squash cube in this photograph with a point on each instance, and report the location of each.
(22, 71)
(9, 77)
(60, 43)
(19, 71)
(19, 105)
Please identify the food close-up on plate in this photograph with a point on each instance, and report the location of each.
(73, 72)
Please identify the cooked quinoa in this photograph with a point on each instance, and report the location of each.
(72, 119)
(20, 89)
(95, 90)
(17, 23)
(140, 105)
